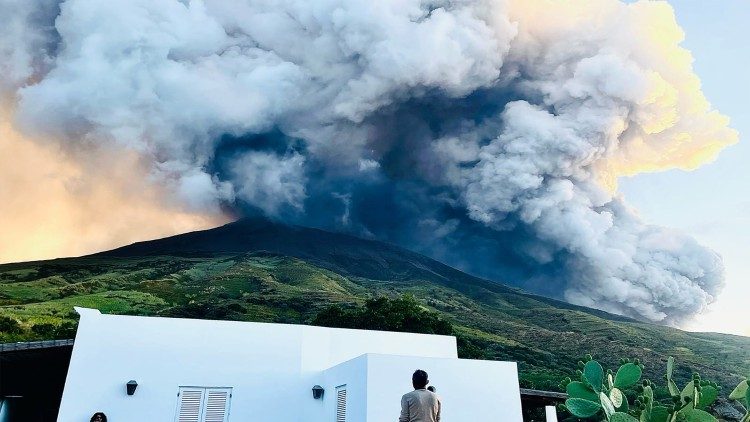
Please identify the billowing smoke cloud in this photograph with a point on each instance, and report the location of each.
(489, 134)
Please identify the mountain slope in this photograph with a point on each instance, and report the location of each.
(259, 270)
(343, 254)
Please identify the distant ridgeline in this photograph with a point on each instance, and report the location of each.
(256, 270)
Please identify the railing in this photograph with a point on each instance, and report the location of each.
(31, 345)
(553, 396)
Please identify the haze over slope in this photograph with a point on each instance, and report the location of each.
(263, 271)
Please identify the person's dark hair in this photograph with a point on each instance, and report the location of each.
(101, 415)
(419, 379)
(431, 388)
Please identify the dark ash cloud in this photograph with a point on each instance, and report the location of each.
(488, 134)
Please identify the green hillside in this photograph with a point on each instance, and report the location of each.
(255, 270)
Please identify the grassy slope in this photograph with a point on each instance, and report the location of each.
(547, 337)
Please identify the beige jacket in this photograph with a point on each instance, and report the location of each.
(420, 406)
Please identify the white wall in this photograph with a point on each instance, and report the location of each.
(271, 367)
(470, 390)
(353, 373)
(163, 354)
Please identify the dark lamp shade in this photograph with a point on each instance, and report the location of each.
(131, 386)
(317, 392)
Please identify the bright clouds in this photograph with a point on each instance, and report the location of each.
(52, 206)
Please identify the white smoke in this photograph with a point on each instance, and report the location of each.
(595, 90)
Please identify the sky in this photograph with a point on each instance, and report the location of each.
(712, 203)
(527, 142)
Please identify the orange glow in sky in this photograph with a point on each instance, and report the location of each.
(52, 206)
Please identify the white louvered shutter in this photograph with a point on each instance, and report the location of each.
(341, 404)
(217, 405)
(201, 404)
(190, 404)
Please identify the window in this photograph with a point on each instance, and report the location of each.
(341, 403)
(203, 404)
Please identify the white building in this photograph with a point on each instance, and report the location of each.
(214, 371)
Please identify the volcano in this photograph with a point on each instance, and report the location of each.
(261, 270)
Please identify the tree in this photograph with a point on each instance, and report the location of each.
(403, 314)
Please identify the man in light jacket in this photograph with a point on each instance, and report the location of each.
(420, 405)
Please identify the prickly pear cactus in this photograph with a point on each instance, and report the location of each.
(600, 395)
(741, 393)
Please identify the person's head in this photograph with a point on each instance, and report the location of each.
(99, 417)
(419, 379)
(432, 389)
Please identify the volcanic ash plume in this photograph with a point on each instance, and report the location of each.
(489, 134)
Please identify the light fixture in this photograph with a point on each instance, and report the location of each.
(131, 386)
(317, 392)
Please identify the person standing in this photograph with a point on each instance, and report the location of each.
(99, 417)
(420, 405)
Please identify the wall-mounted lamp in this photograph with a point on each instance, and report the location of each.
(131, 386)
(317, 392)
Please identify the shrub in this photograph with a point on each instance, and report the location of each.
(66, 330)
(46, 330)
(9, 325)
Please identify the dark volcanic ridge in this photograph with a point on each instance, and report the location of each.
(341, 253)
